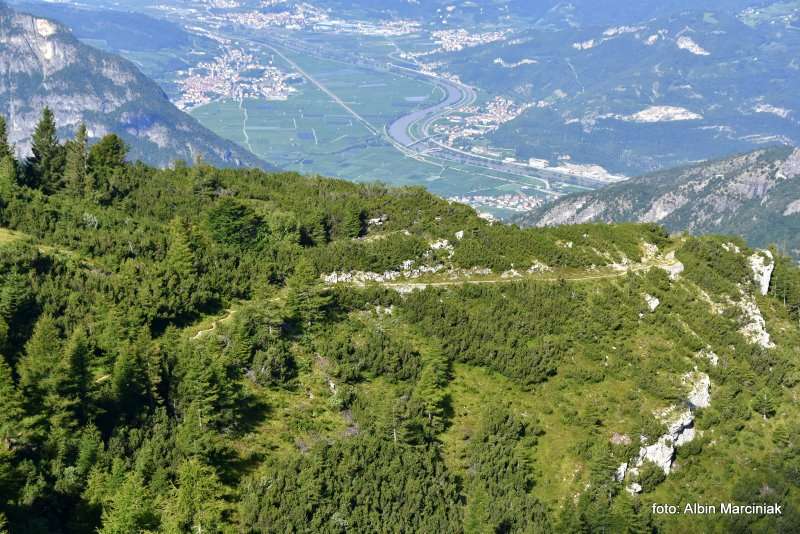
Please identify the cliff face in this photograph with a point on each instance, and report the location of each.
(42, 64)
(756, 195)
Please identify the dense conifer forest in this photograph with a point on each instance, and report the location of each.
(172, 359)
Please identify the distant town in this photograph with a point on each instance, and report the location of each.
(234, 75)
(475, 121)
(518, 202)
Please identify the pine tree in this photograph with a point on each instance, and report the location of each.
(42, 354)
(196, 505)
(353, 223)
(8, 166)
(781, 436)
(15, 295)
(131, 509)
(47, 163)
(180, 258)
(8, 179)
(627, 519)
(306, 298)
(314, 229)
(107, 155)
(764, 403)
(603, 466)
(274, 365)
(6, 150)
(429, 392)
(76, 161)
(129, 381)
(68, 385)
(12, 414)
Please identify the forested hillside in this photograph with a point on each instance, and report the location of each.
(205, 350)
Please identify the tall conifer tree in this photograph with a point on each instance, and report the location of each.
(75, 167)
(47, 163)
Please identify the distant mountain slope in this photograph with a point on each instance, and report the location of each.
(755, 195)
(645, 91)
(42, 64)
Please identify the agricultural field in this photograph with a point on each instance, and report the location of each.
(311, 133)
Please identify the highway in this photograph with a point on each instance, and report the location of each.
(456, 96)
(410, 134)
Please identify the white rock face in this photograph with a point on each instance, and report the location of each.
(687, 43)
(680, 430)
(45, 28)
(442, 244)
(460, 235)
(709, 355)
(619, 476)
(685, 437)
(762, 269)
(539, 267)
(622, 30)
(699, 389)
(361, 277)
(514, 65)
(732, 247)
(673, 267)
(663, 114)
(649, 252)
(660, 453)
(792, 208)
(773, 110)
(585, 45)
(755, 329)
(634, 488)
(652, 302)
(665, 206)
(378, 221)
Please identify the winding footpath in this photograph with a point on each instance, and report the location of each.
(407, 286)
(229, 313)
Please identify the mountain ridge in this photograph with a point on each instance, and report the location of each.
(382, 353)
(45, 65)
(755, 194)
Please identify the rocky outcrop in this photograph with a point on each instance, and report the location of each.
(709, 355)
(680, 430)
(755, 327)
(699, 389)
(652, 302)
(762, 264)
(672, 266)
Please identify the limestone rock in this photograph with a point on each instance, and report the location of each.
(619, 476)
(755, 328)
(634, 488)
(709, 355)
(660, 453)
(700, 389)
(762, 268)
(673, 267)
